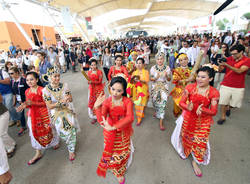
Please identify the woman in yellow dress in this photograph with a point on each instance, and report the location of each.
(181, 77)
(140, 92)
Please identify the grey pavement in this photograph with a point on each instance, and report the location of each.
(155, 161)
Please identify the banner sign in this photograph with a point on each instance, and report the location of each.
(88, 23)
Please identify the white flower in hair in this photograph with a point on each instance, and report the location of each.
(213, 66)
(121, 75)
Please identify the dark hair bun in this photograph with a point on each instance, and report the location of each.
(120, 80)
(210, 71)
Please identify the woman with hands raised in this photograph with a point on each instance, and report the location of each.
(115, 114)
(40, 129)
(199, 104)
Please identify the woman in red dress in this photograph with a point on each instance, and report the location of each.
(117, 68)
(38, 119)
(115, 114)
(95, 87)
(191, 135)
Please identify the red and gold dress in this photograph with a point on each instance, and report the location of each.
(39, 122)
(178, 75)
(193, 134)
(95, 88)
(117, 143)
(130, 66)
(113, 72)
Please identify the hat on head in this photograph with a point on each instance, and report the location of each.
(50, 71)
(180, 55)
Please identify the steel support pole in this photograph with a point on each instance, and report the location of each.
(6, 6)
(74, 17)
(63, 37)
(213, 25)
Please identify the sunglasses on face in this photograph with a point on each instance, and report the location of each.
(234, 54)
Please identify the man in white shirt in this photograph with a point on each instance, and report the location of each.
(184, 49)
(228, 39)
(62, 60)
(165, 47)
(33, 57)
(193, 52)
(5, 175)
(159, 44)
(177, 42)
(26, 61)
(3, 56)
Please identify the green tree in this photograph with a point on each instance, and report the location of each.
(222, 23)
(247, 17)
(95, 39)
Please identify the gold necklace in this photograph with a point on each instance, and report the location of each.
(117, 67)
(140, 71)
(202, 91)
(116, 102)
(34, 90)
(55, 86)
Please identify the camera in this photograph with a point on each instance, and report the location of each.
(222, 60)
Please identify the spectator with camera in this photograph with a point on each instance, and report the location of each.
(233, 85)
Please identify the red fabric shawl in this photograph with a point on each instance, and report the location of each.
(40, 121)
(122, 118)
(196, 129)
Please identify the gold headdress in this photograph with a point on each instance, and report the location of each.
(134, 53)
(50, 71)
(180, 55)
(53, 70)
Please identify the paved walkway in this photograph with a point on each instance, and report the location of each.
(155, 160)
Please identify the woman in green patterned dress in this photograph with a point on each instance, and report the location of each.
(160, 75)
